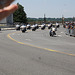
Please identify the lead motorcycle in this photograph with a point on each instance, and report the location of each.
(52, 31)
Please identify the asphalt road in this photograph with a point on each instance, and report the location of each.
(36, 53)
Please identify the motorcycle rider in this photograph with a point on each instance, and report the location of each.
(43, 26)
(17, 27)
(28, 26)
(33, 27)
(52, 31)
(49, 25)
(23, 28)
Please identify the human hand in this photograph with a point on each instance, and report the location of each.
(8, 9)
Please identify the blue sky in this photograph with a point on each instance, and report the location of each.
(51, 8)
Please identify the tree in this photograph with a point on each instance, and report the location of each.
(20, 15)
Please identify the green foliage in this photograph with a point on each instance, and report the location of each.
(50, 19)
(20, 15)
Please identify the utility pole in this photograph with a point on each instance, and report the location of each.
(44, 19)
(62, 19)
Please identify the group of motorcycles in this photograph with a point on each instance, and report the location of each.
(52, 32)
(23, 28)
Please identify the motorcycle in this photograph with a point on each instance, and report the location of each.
(36, 26)
(52, 32)
(28, 26)
(49, 26)
(43, 26)
(17, 27)
(23, 28)
(33, 28)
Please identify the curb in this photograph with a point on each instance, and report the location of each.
(7, 28)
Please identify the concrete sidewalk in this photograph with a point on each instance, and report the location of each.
(8, 28)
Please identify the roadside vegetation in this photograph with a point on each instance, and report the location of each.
(21, 16)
